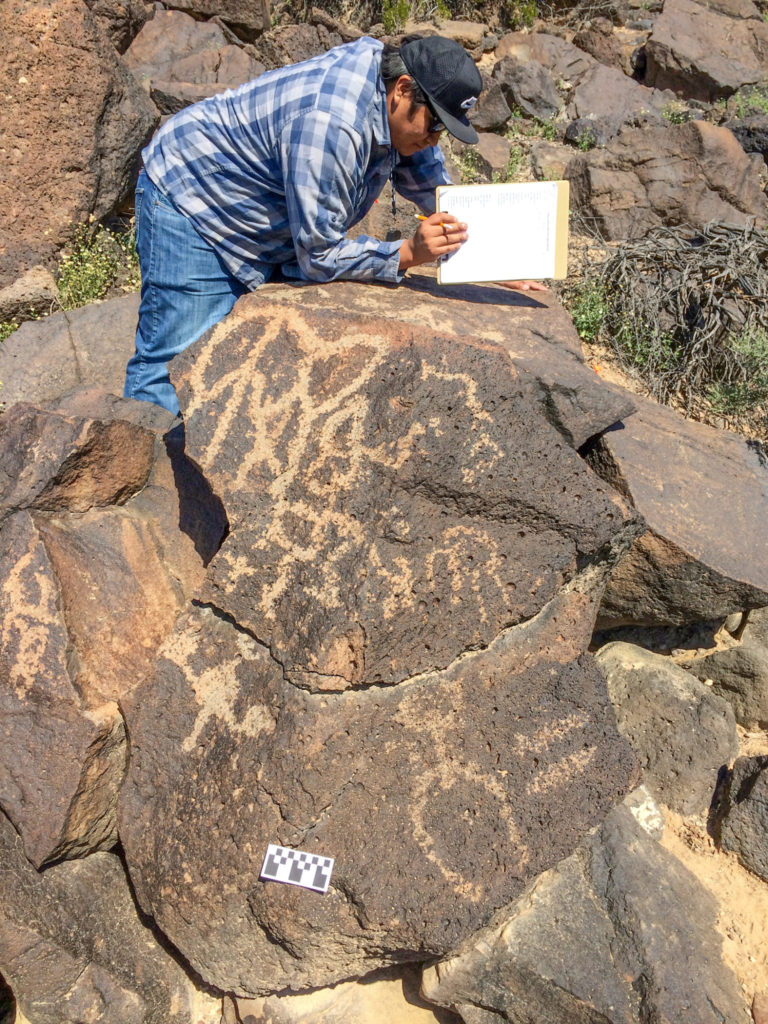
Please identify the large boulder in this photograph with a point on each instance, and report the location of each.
(687, 174)
(682, 732)
(744, 828)
(73, 949)
(739, 671)
(704, 495)
(173, 47)
(93, 571)
(611, 45)
(388, 666)
(528, 86)
(619, 933)
(45, 359)
(248, 17)
(535, 330)
(704, 53)
(561, 58)
(74, 122)
(608, 95)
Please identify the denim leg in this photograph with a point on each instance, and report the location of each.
(185, 289)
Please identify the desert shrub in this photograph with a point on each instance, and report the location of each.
(94, 262)
(686, 313)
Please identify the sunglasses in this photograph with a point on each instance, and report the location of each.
(436, 125)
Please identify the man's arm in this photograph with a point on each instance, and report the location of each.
(323, 170)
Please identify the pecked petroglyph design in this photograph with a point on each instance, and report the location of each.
(374, 486)
(216, 689)
(32, 634)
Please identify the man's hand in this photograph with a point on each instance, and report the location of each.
(524, 286)
(436, 236)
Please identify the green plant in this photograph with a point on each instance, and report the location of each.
(676, 112)
(517, 14)
(512, 168)
(470, 166)
(95, 261)
(394, 14)
(687, 315)
(586, 140)
(588, 305)
(748, 385)
(750, 101)
(7, 327)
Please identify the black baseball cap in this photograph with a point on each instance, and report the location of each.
(448, 78)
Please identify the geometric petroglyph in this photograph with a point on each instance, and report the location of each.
(394, 499)
(438, 799)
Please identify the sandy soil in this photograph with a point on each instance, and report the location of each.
(742, 896)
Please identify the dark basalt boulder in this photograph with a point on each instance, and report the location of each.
(388, 666)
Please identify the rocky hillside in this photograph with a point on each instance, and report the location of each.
(412, 588)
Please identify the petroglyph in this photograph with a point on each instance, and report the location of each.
(31, 629)
(382, 518)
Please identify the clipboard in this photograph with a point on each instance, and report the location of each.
(515, 231)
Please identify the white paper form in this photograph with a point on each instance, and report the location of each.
(515, 231)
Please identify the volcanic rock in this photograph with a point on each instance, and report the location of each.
(381, 481)
(704, 495)
(74, 122)
(90, 586)
(687, 174)
(45, 359)
(744, 830)
(618, 933)
(705, 54)
(682, 732)
(173, 47)
(534, 329)
(72, 947)
(739, 673)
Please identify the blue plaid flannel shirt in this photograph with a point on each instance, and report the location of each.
(276, 171)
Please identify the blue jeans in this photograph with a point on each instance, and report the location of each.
(185, 289)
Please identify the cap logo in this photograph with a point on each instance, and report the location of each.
(468, 103)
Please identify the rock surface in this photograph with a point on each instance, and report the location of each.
(371, 524)
(704, 495)
(34, 292)
(386, 997)
(687, 174)
(704, 53)
(379, 480)
(739, 673)
(72, 947)
(250, 17)
(74, 120)
(608, 93)
(744, 830)
(618, 933)
(682, 732)
(90, 586)
(47, 358)
(528, 86)
(173, 47)
(537, 333)
(121, 19)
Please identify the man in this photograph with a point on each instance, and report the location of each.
(274, 173)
